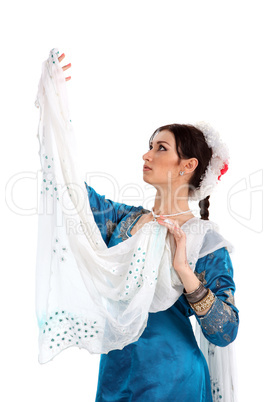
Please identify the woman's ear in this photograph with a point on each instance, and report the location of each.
(191, 165)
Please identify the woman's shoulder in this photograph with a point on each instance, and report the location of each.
(198, 225)
(212, 239)
(203, 238)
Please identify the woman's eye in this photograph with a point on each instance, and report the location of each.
(150, 147)
(162, 147)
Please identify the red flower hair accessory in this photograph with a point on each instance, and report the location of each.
(223, 170)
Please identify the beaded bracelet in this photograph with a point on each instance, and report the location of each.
(205, 303)
(197, 294)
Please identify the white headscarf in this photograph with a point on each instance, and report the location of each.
(89, 295)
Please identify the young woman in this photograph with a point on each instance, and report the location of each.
(166, 363)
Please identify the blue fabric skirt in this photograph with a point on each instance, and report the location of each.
(165, 364)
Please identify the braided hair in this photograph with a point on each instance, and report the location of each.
(191, 143)
(204, 205)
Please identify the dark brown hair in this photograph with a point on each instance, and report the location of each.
(191, 143)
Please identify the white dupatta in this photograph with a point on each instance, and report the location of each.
(89, 295)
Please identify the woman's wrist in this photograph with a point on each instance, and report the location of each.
(188, 278)
(200, 299)
(196, 295)
(204, 305)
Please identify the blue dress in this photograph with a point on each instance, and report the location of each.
(165, 364)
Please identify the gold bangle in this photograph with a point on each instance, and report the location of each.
(205, 303)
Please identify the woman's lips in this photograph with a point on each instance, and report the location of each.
(146, 168)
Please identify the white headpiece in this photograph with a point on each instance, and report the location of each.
(218, 164)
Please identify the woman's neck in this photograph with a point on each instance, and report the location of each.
(172, 202)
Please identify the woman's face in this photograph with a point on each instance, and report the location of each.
(163, 160)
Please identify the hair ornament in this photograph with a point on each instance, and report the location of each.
(223, 170)
(218, 164)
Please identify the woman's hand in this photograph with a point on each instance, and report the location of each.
(180, 263)
(65, 67)
(180, 258)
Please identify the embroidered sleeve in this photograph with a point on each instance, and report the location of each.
(220, 324)
(107, 213)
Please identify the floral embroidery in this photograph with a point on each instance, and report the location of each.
(216, 385)
(62, 329)
(219, 315)
(230, 298)
(59, 249)
(227, 338)
(110, 226)
(125, 224)
(135, 276)
(218, 283)
(216, 391)
(48, 184)
(201, 276)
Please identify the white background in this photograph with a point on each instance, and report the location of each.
(136, 65)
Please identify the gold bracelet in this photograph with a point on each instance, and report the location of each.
(205, 303)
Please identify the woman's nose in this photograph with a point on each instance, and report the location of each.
(147, 156)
